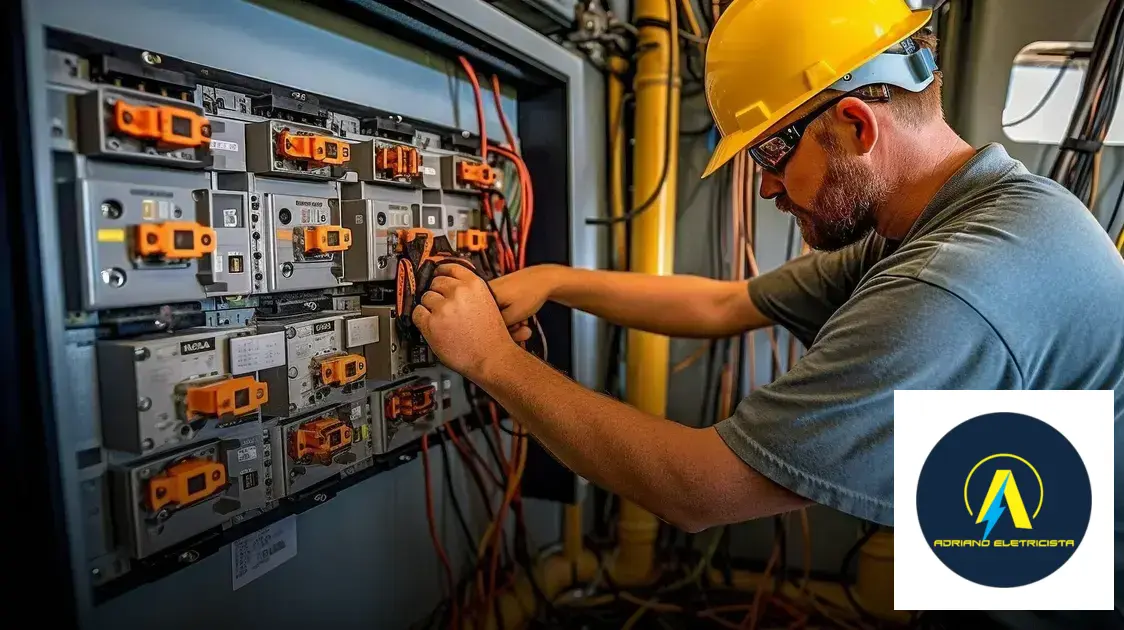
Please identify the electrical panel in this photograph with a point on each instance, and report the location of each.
(241, 261)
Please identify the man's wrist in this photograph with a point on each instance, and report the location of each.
(498, 366)
(554, 279)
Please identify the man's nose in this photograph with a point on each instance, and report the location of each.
(771, 185)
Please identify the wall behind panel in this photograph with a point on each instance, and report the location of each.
(364, 558)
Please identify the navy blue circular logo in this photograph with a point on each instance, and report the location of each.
(1004, 500)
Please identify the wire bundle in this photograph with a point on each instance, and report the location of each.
(1078, 161)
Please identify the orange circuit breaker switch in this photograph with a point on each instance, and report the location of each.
(343, 369)
(178, 240)
(166, 125)
(398, 161)
(187, 482)
(320, 440)
(231, 397)
(326, 239)
(473, 174)
(472, 240)
(411, 402)
(319, 149)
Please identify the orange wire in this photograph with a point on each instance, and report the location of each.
(433, 532)
(481, 127)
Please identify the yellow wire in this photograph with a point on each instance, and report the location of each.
(1120, 242)
(512, 486)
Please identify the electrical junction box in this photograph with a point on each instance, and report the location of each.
(166, 499)
(283, 148)
(407, 410)
(135, 126)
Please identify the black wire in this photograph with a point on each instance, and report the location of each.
(657, 192)
(845, 580)
(1115, 208)
(1045, 97)
(453, 496)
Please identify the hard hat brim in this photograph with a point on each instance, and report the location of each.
(729, 146)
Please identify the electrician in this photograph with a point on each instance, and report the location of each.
(937, 266)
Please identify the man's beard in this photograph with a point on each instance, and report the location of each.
(843, 209)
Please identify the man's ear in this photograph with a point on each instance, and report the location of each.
(860, 125)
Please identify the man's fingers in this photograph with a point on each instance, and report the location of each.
(454, 270)
(443, 285)
(421, 317)
(521, 334)
(430, 299)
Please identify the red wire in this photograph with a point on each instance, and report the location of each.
(503, 117)
(480, 126)
(433, 532)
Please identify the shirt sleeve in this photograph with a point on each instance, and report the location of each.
(825, 430)
(804, 293)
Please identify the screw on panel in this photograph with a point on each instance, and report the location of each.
(111, 209)
(278, 164)
(96, 572)
(403, 458)
(188, 557)
(142, 353)
(144, 404)
(151, 59)
(113, 144)
(465, 134)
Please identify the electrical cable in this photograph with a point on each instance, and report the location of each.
(437, 546)
(846, 566)
(453, 495)
(1045, 97)
(668, 128)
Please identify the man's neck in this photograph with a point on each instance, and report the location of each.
(920, 165)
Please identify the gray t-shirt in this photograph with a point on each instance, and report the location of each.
(1006, 281)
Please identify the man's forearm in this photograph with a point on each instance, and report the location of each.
(687, 476)
(676, 306)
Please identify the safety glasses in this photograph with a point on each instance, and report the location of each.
(773, 152)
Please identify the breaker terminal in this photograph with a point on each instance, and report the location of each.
(320, 440)
(342, 370)
(398, 161)
(410, 402)
(176, 240)
(231, 397)
(184, 483)
(474, 174)
(168, 126)
(326, 239)
(318, 149)
(472, 240)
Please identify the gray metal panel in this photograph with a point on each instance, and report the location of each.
(295, 475)
(336, 60)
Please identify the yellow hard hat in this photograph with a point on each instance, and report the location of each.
(768, 57)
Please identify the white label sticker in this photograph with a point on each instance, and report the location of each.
(431, 220)
(218, 263)
(259, 553)
(358, 219)
(257, 352)
(222, 145)
(429, 170)
(362, 331)
(246, 453)
(230, 217)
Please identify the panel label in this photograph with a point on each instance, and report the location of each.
(323, 327)
(197, 346)
(257, 352)
(111, 235)
(222, 145)
(362, 331)
(230, 217)
(259, 553)
(246, 453)
(429, 170)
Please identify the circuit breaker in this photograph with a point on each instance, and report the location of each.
(167, 499)
(373, 213)
(407, 410)
(289, 149)
(165, 390)
(149, 234)
(319, 370)
(312, 448)
(130, 125)
(295, 233)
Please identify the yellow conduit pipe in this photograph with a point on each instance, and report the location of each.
(652, 251)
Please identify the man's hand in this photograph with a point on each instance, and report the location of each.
(521, 294)
(459, 319)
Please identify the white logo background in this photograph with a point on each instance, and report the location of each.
(923, 582)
